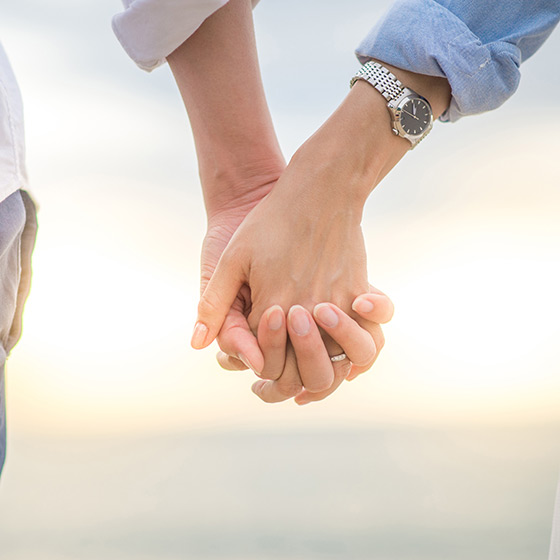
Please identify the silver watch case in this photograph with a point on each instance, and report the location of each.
(395, 109)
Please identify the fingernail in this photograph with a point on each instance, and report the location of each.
(244, 359)
(275, 318)
(302, 403)
(247, 362)
(362, 305)
(257, 387)
(326, 315)
(199, 335)
(299, 320)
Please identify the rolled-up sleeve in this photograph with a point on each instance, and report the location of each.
(150, 30)
(477, 45)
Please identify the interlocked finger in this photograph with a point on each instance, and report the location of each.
(272, 338)
(315, 367)
(287, 386)
(375, 306)
(357, 343)
(229, 362)
(376, 333)
(238, 342)
(341, 371)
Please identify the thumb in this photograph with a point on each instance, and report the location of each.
(216, 300)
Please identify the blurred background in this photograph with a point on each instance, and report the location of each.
(126, 444)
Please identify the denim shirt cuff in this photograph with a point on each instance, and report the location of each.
(424, 37)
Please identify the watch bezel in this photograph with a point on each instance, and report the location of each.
(396, 106)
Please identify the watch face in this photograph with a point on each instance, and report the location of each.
(415, 116)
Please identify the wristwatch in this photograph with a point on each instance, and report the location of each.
(411, 114)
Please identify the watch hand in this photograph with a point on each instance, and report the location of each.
(413, 116)
(413, 109)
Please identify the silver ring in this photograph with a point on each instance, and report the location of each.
(338, 357)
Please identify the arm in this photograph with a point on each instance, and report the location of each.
(313, 249)
(481, 66)
(218, 76)
(239, 162)
(238, 153)
(239, 158)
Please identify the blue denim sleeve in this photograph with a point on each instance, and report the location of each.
(477, 45)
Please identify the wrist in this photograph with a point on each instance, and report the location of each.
(356, 145)
(435, 89)
(350, 152)
(231, 188)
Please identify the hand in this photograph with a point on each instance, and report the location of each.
(294, 247)
(361, 342)
(221, 53)
(240, 349)
(235, 337)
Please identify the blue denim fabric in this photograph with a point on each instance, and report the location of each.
(18, 228)
(477, 45)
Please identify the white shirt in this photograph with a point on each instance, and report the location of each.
(13, 175)
(150, 30)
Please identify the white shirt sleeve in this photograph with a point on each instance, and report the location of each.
(150, 30)
(13, 175)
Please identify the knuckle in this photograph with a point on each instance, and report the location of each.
(319, 386)
(289, 389)
(263, 392)
(228, 339)
(321, 379)
(265, 397)
(222, 359)
(225, 342)
(230, 363)
(270, 374)
(231, 259)
(341, 370)
(368, 358)
(277, 342)
(210, 306)
(207, 306)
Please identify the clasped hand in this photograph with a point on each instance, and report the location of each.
(285, 287)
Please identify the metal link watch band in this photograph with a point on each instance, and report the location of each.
(381, 79)
(403, 103)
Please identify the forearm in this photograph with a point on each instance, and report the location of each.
(218, 76)
(357, 142)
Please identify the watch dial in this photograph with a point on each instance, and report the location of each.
(415, 116)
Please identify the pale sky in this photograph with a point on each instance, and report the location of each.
(464, 236)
